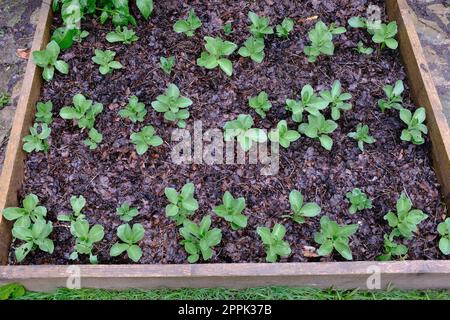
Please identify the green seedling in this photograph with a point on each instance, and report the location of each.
(122, 34)
(319, 128)
(361, 135)
(358, 201)
(144, 139)
(37, 140)
(105, 59)
(189, 25)
(260, 103)
(83, 111)
(48, 60)
(44, 112)
(286, 27)
(94, 138)
(260, 25)
(85, 239)
(415, 124)
(215, 55)
(126, 213)
(336, 99)
(167, 64)
(393, 96)
(273, 242)
(231, 210)
(130, 237)
(135, 111)
(181, 204)
(77, 204)
(253, 48)
(241, 128)
(300, 209)
(283, 135)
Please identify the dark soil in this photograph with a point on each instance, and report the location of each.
(114, 173)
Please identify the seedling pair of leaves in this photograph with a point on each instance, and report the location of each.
(144, 139)
(106, 61)
(334, 236)
(182, 204)
(273, 242)
(392, 249)
(321, 38)
(283, 135)
(94, 138)
(358, 201)
(361, 135)
(5, 99)
(300, 209)
(173, 105)
(241, 128)
(126, 213)
(309, 102)
(199, 239)
(336, 99)
(86, 237)
(189, 25)
(44, 112)
(27, 214)
(393, 96)
(253, 48)
(65, 37)
(405, 221)
(135, 111)
(286, 27)
(444, 230)
(83, 111)
(48, 60)
(260, 103)
(260, 25)
(130, 237)
(231, 211)
(37, 140)
(415, 125)
(77, 204)
(124, 35)
(215, 55)
(319, 128)
(167, 64)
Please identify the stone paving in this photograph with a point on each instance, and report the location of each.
(18, 19)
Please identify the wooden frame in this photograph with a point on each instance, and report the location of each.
(405, 274)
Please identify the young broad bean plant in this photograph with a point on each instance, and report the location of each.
(405, 221)
(126, 213)
(260, 103)
(28, 213)
(199, 239)
(392, 249)
(37, 140)
(44, 112)
(253, 48)
(130, 237)
(34, 236)
(231, 211)
(83, 111)
(319, 128)
(105, 59)
(361, 48)
(77, 204)
(444, 231)
(215, 55)
(48, 60)
(260, 25)
(173, 105)
(144, 139)
(241, 128)
(283, 135)
(189, 25)
(85, 237)
(361, 135)
(337, 100)
(93, 139)
(122, 34)
(228, 29)
(393, 96)
(300, 209)
(181, 204)
(135, 111)
(358, 201)
(286, 27)
(273, 242)
(385, 34)
(415, 124)
(167, 64)
(321, 38)
(334, 236)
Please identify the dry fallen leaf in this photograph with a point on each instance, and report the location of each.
(309, 252)
(23, 53)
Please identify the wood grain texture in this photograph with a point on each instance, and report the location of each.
(404, 274)
(423, 91)
(346, 275)
(13, 167)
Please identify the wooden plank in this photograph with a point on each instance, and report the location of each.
(13, 167)
(423, 91)
(346, 275)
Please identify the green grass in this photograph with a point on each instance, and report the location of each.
(266, 293)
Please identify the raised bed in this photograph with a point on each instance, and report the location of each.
(404, 274)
